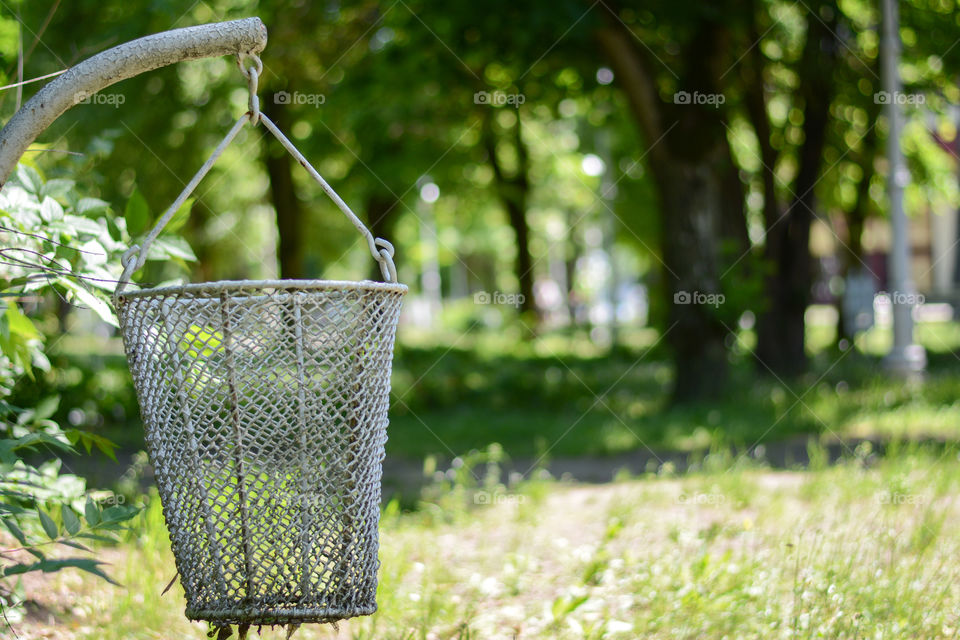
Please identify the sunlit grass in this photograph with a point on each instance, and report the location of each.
(859, 550)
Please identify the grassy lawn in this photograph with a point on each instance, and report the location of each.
(565, 396)
(864, 549)
(562, 394)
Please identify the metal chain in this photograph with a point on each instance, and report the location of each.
(253, 76)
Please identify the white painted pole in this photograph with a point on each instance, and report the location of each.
(905, 356)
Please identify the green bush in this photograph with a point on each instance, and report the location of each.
(59, 249)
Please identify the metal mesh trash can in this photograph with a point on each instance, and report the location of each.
(265, 407)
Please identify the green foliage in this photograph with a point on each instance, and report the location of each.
(399, 109)
(57, 245)
(137, 214)
(70, 255)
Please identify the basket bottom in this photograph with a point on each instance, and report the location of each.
(277, 615)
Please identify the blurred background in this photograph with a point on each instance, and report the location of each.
(559, 180)
(634, 233)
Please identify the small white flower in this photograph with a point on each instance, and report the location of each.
(619, 626)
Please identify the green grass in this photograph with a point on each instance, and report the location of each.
(858, 550)
(864, 549)
(562, 394)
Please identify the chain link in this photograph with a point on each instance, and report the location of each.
(252, 75)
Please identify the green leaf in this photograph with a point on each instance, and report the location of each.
(76, 545)
(51, 210)
(114, 230)
(119, 513)
(75, 226)
(171, 247)
(29, 178)
(180, 217)
(8, 452)
(137, 214)
(92, 206)
(16, 331)
(16, 495)
(105, 445)
(91, 512)
(76, 436)
(81, 294)
(49, 526)
(57, 188)
(70, 520)
(33, 440)
(17, 569)
(15, 530)
(88, 440)
(19, 324)
(12, 509)
(36, 553)
(97, 537)
(84, 564)
(46, 408)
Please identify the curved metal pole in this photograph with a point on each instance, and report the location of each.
(247, 36)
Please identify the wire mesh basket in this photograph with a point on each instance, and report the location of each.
(265, 408)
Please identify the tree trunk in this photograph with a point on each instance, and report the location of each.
(780, 329)
(512, 191)
(279, 163)
(572, 254)
(691, 200)
(852, 251)
(700, 194)
(755, 99)
(517, 212)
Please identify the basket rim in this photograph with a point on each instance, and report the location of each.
(278, 615)
(217, 286)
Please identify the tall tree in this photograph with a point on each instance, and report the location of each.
(781, 328)
(513, 191)
(700, 194)
(283, 194)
